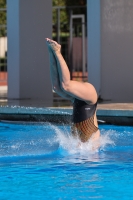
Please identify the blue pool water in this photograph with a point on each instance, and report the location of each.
(43, 161)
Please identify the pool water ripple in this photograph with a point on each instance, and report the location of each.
(45, 162)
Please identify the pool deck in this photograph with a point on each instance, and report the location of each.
(61, 111)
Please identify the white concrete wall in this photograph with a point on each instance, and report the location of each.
(117, 50)
(94, 43)
(28, 23)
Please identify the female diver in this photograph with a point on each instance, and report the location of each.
(82, 94)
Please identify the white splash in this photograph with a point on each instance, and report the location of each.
(47, 139)
(73, 145)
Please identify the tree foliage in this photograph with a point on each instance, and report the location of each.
(2, 18)
(59, 3)
(69, 2)
(2, 3)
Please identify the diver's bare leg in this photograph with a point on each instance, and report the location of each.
(81, 90)
(55, 75)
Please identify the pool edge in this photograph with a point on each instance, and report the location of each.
(63, 115)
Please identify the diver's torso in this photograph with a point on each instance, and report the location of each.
(82, 111)
(84, 120)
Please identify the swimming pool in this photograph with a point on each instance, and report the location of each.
(43, 161)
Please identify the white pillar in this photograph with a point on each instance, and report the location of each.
(28, 23)
(94, 55)
(117, 50)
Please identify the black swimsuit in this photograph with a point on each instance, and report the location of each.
(83, 119)
(82, 110)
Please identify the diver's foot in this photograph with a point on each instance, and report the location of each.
(53, 45)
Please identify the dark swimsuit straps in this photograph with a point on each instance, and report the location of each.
(83, 119)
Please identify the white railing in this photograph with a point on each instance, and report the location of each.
(73, 39)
